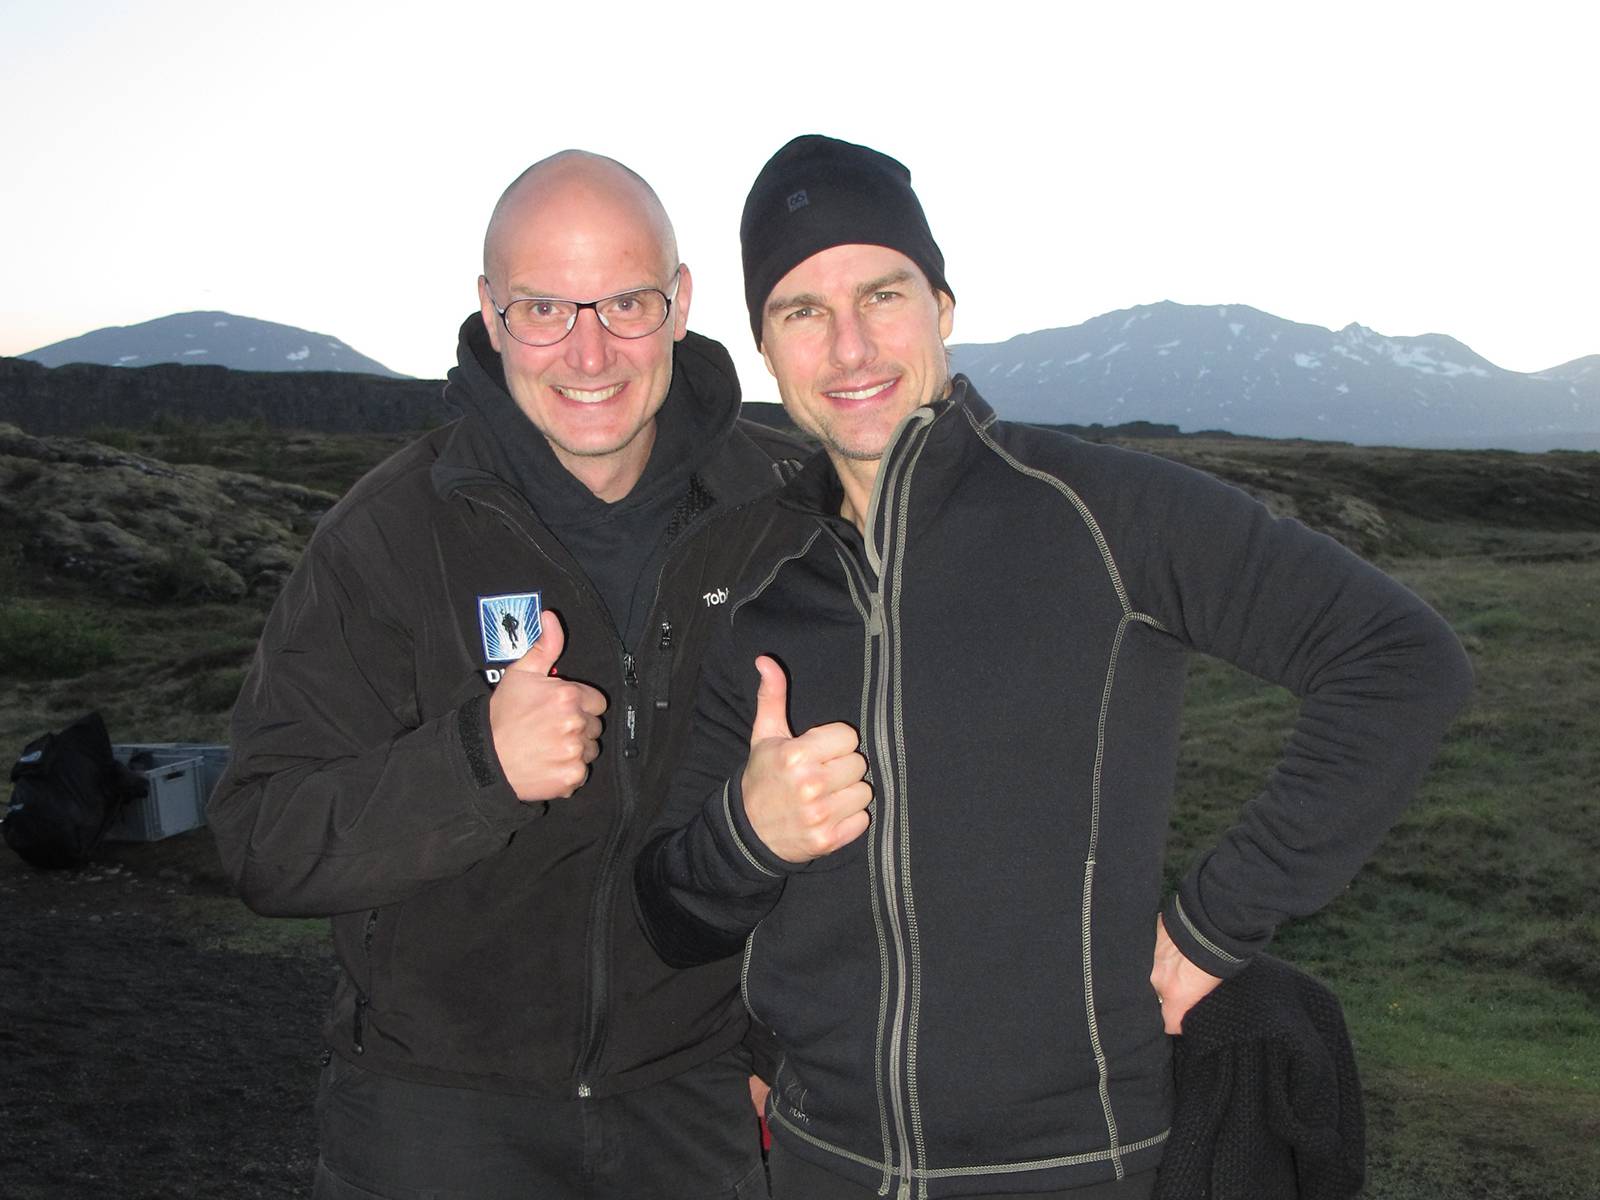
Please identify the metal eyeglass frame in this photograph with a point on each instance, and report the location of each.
(580, 305)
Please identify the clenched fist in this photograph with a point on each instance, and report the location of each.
(805, 796)
(546, 730)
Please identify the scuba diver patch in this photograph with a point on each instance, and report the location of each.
(510, 624)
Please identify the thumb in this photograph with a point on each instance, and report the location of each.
(772, 702)
(541, 656)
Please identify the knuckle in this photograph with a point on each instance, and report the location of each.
(814, 814)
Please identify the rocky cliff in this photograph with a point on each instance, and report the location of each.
(80, 397)
(134, 527)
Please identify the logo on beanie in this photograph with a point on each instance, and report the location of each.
(798, 200)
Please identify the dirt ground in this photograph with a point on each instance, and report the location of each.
(144, 1055)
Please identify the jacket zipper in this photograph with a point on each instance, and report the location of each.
(358, 1021)
(599, 941)
(887, 503)
(595, 1023)
(886, 874)
(889, 812)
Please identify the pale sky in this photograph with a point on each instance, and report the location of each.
(1416, 167)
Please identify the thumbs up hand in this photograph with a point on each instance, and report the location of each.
(805, 796)
(546, 731)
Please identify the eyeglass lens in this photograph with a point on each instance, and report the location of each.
(540, 321)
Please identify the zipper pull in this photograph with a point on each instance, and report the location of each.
(629, 675)
(631, 750)
(664, 676)
(875, 616)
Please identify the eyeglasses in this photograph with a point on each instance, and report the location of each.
(545, 320)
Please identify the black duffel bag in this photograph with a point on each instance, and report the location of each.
(67, 789)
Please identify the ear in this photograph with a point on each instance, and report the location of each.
(947, 314)
(491, 319)
(680, 304)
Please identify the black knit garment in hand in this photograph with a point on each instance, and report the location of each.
(1268, 1100)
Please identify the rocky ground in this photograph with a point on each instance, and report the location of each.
(153, 1048)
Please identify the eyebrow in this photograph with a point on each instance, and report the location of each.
(519, 292)
(810, 300)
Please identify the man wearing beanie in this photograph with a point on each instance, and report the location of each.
(419, 750)
(927, 793)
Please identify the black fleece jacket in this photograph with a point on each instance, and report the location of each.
(962, 994)
(484, 942)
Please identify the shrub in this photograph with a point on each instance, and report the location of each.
(41, 643)
(114, 436)
(216, 691)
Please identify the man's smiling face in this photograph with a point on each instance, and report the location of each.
(581, 235)
(854, 336)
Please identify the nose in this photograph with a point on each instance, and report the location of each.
(852, 344)
(588, 347)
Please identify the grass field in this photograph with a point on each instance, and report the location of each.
(1467, 954)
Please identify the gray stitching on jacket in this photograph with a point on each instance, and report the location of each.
(921, 416)
(892, 781)
(773, 574)
(744, 973)
(733, 831)
(1129, 614)
(1083, 512)
(914, 934)
(1200, 937)
(870, 629)
(1039, 1164)
(1090, 1008)
(1035, 1164)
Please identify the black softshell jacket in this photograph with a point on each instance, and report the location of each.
(962, 994)
(485, 943)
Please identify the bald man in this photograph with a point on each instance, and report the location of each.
(461, 717)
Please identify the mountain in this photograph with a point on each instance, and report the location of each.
(216, 338)
(1234, 368)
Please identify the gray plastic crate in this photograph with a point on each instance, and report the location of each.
(213, 756)
(181, 775)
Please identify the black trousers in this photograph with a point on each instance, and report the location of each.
(694, 1137)
(794, 1178)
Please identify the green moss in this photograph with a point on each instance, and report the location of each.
(39, 642)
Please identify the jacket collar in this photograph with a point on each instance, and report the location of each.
(494, 443)
(817, 490)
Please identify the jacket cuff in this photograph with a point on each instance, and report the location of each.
(1202, 944)
(489, 791)
(766, 1055)
(724, 812)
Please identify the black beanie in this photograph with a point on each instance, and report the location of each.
(818, 192)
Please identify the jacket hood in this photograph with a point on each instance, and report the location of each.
(495, 441)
